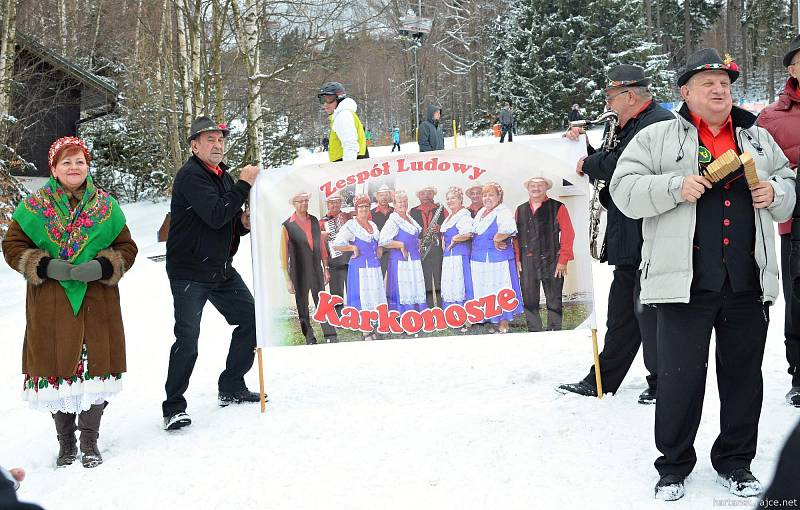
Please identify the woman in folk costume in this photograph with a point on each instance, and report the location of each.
(493, 262)
(365, 289)
(70, 242)
(405, 283)
(456, 232)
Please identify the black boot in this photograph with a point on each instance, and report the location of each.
(89, 425)
(581, 388)
(648, 396)
(670, 488)
(68, 445)
(239, 397)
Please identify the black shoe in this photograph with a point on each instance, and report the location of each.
(581, 388)
(238, 397)
(793, 397)
(331, 339)
(648, 396)
(670, 487)
(177, 421)
(740, 482)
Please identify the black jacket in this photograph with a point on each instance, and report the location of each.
(205, 224)
(8, 497)
(623, 242)
(431, 136)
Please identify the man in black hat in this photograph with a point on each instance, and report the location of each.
(629, 323)
(781, 119)
(206, 224)
(709, 263)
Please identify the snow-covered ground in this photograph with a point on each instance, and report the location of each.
(466, 423)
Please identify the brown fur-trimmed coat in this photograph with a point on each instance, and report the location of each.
(54, 335)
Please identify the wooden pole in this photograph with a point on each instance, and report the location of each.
(596, 364)
(261, 379)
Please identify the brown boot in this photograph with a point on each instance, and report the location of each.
(68, 447)
(89, 425)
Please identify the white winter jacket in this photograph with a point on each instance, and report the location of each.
(647, 184)
(345, 127)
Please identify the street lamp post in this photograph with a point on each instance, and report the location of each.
(415, 27)
(416, 89)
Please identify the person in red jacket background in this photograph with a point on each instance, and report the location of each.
(781, 119)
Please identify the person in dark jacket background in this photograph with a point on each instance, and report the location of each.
(207, 222)
(506, 118)
(781, 119)
(629, 323)
(430, 136)
(574, 113)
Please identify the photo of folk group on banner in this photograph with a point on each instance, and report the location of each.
(479, 240)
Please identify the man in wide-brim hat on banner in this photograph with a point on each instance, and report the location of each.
(544, 240)
(708, 262)
(330, 224)
(430, 215)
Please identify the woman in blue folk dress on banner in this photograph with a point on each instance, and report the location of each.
(493, 262)
(457, 232)
(365, 290)
(405, 283)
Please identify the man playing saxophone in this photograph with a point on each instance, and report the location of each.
(629, 323)
(430, 215)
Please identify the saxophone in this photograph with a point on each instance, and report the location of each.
(427, 240)
(332, 227)
(610, 119)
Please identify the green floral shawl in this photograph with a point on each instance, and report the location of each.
(76, 235)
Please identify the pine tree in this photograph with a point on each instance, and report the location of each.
(548, 55)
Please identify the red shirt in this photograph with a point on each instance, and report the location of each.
(637, 113)
(717, 144)
(214, 169)
(305, 225)
(565, 253)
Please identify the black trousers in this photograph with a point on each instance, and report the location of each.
(432, 271)
(791, 325)
(396, 145)
(740, 322)
(233, 300)
(338, 283)
(628, 325)
(531, 279)
(301, 300)
(506, 129)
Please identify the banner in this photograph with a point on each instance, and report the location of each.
(484, 239)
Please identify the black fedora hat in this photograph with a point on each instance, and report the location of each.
(708, 59)
(203, 124)
(794, 47)
(626, 75)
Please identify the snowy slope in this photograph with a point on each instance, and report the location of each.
(467, 423)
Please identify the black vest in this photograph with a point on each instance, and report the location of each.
(379, 218)
(305, 265)
(724, 237)
(540, 235)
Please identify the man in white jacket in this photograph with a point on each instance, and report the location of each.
(347, 140)
(708, 262)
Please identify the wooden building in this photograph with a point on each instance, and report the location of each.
(50, 97)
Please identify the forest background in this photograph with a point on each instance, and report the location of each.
(257, 65)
